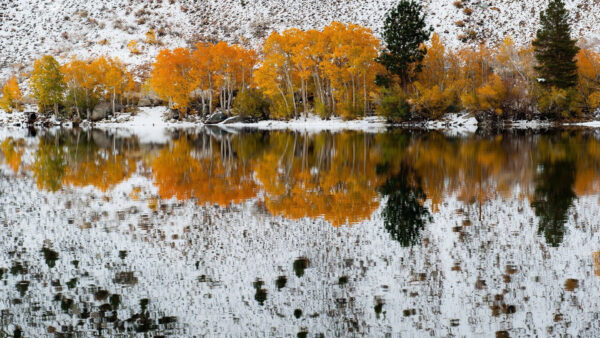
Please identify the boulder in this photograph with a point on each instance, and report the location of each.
(145, 102)
(238, 119)
(101, 111)
(216, 117)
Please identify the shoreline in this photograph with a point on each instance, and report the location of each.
(149, 120)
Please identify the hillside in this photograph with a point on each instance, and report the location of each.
(31, 28)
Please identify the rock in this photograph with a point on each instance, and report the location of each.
(101, 111)
(238, 119)
(215, 118)
(172, 115)
(31, 117)
(145, 102)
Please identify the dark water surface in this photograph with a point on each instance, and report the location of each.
(248, 233)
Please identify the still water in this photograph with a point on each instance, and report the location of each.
(249, 233)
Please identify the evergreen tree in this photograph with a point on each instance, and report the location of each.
(404, 32)
(554, 49)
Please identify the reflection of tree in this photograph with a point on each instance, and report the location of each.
(208, 175)
(404, 214)
(80, 160)
(553, 197)
(49, 165)
(13, 151)
(326, 175)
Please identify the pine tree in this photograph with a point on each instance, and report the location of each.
(554, 49)
(404, 32)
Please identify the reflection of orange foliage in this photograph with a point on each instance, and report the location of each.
(209, 180)
(596, 256)
(12, 153)
(99, 172)
(336, 181)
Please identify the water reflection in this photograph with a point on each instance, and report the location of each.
(340, 177)
(405, 214)
(553, 197)
(344, 233)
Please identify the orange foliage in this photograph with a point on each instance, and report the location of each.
(172, 77)
(337, 65)
(588, 63)
(11, 95)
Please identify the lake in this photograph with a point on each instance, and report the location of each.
(278, 233)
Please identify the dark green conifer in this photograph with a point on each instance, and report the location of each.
(554, 49)
(404, 32)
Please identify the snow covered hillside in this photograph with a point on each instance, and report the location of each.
(31, 28)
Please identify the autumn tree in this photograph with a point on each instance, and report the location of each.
(335, 66)
(81, 81)
(172, 77)
(47, 83)
(482, 89)
(588, 84)
(554, 48)
(515, 66)
(203, 73)
(11, 95)
(436, 85)
(232, 67)
(404, 32)
(113, 78)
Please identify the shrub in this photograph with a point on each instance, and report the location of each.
(322, 109)
(394, 106)
(251, 103)
(434, 101)
(559, 103)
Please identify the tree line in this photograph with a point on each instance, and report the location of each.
(341, 70)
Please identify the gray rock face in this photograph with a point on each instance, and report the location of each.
(237, 119)
(101, 111)
(215, 118)
(145, 102)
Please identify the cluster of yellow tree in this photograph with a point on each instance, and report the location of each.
(336, 67)
(75, 87)
(87, 81)
(333, 71)
(181, 76)
(488, 80)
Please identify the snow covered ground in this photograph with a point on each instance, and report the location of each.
(314, 123)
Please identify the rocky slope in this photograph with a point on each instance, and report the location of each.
(31, 28)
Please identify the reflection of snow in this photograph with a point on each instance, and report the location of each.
(199, 263)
